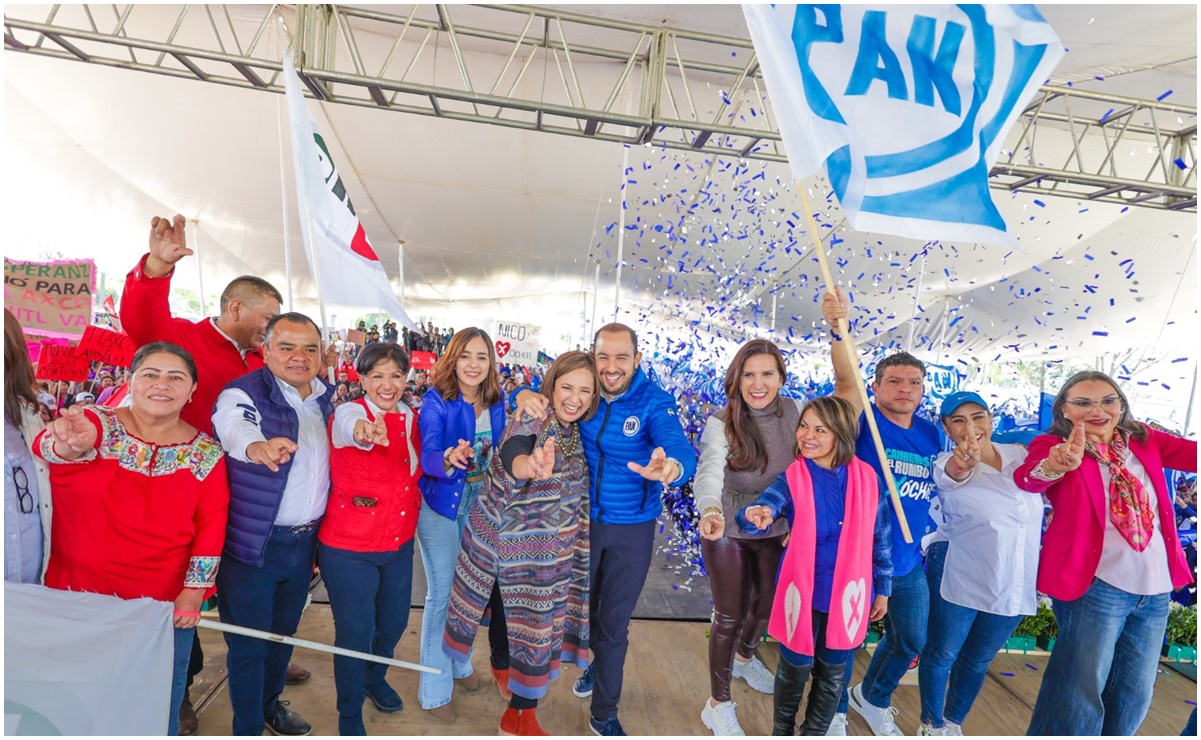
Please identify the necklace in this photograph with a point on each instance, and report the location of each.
(573, 440)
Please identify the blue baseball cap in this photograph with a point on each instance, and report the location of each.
(955, 400)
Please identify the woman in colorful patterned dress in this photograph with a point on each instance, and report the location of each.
(140, 499)
(529, 534)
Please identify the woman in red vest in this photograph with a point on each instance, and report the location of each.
(839, 552)
(366, 539)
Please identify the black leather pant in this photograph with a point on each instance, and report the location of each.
(742, 577)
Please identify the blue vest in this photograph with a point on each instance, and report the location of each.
(254, 491)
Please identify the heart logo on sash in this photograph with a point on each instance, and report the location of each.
(854, 599)
(792, 609)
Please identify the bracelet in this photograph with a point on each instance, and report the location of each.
(711, 511)
(955, 466)
(180, 613)
(1041, 473)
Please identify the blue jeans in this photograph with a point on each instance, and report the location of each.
(440, 539)
(370, 595)
(179, 675)
(903, 640)
(960, 644)
(1102, 671)
(269, 598)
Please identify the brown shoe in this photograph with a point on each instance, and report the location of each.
(188, 722)
(469, 684)
(297, 674)
(446, 712)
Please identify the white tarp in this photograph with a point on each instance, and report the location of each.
(85, 664)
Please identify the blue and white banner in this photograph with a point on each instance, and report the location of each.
(907, 105)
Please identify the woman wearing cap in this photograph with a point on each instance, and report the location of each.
(980, 564)
(1111, 556)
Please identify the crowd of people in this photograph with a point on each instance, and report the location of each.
(234, 467)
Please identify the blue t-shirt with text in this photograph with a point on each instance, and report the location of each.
(911, 454)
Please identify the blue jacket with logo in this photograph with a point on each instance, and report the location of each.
(628, 429)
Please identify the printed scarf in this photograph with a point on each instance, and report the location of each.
(1130, 507)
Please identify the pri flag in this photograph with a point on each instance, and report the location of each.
(907, 105)
(345, 267)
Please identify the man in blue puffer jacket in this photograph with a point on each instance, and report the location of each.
(634, 445)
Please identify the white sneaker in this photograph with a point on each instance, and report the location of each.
(756, 674)
(722, 719)
(838, 725)
(953, 730)
(927, 730)
(880, 720)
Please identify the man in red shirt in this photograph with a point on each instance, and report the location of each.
(224, 348)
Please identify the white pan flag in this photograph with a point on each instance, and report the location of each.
(347, 271)
(907, 105)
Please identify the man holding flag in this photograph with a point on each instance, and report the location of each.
(908, 107)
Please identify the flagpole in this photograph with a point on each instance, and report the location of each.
(849, 344)
(283, 196)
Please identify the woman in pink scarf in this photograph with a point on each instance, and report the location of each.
(840, 543)
(1110, 559)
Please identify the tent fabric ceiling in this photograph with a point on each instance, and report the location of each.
(496, 220)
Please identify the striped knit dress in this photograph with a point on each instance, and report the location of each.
(532, 538)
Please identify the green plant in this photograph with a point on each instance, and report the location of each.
(1040, 624)
(1182, 625)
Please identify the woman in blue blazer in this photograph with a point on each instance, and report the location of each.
(461, 421)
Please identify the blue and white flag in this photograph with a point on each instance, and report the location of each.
(908, 105)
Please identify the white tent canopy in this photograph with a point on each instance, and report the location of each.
(504, 224)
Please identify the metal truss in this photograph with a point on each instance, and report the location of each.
(664, 87)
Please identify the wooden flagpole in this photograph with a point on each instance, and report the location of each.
(849, 346)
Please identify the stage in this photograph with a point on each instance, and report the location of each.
(666, 681)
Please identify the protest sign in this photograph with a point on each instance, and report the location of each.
(59, 362)
(423, 360)
(52, 298)
(517, 343)
(106, 346)
(356, 337)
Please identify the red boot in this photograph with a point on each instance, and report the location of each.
(521, 722)
(502, 682)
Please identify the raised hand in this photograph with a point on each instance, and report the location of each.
(535, 405)
(659, 468)
(73, 433)
(272, 453)
(835, 306)
(459, 455)
(542, 460)
(760, 516)
(371, 432)
(1068, 455)
(967, 453)
(167, 245)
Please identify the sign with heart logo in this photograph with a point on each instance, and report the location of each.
(854, 600)
(792, 609)
(518, 344)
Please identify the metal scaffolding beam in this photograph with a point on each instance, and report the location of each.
(1122, 150)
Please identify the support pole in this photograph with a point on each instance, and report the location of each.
(621, 233)
(595, 299)
(283, 196)
(204, 311)
(849, 345)
(234, 629)
(400, 258)
(1192, 396)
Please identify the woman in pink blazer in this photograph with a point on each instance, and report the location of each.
(1110, 556)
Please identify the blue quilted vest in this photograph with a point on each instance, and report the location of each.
(254, 491)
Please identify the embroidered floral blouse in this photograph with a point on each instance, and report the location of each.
(135, 519)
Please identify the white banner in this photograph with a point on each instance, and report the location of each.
(907, 105)
(517, 344)
(85, 664)
(347, 270)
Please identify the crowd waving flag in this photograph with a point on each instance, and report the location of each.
(907, 106)
(345, 266)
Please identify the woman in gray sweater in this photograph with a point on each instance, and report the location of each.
(744, 447)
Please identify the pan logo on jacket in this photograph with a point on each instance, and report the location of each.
(631, 426)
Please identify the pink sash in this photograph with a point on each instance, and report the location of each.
(792, 611)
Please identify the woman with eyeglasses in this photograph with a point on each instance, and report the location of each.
(1110, 557)
(27, 504)
(141, 499)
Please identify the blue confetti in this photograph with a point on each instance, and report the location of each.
(1161, 97)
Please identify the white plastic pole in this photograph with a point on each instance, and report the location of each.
(621, 233)
(204, 311)
(234, 629)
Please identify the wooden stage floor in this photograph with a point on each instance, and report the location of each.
(666, 681)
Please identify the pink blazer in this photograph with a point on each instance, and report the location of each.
(1072, 543)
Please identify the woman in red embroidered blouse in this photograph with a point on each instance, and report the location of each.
(140, 499)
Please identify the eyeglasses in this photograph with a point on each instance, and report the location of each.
(24, 497)
(1109, 403)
